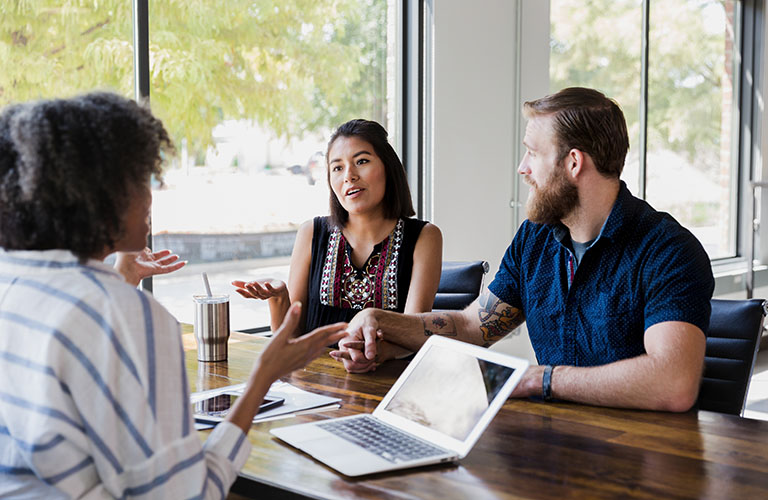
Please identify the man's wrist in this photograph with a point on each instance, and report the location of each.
(373, 312)
(388, 350)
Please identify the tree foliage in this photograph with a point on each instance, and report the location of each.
(290, 66)
(597, 43)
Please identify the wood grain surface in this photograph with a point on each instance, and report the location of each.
(531, 449)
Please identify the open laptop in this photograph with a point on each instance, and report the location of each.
(435, 412)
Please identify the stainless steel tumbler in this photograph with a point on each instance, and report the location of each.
(211, 326)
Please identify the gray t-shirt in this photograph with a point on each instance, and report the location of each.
(579, 249)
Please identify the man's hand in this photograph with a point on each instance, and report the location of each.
(135, 266)
(358, 350)
(350, 354)
(364, 328)
(530, 384)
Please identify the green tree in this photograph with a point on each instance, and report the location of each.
(597, 43)
(289, 66)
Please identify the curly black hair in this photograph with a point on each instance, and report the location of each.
(68, 168)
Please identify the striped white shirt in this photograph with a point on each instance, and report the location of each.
(94, 400)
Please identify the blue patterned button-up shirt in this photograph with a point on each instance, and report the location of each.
(644, 268)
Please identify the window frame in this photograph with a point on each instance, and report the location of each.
(750, 146)
(747, 270)
(743, 67)
(141, 81)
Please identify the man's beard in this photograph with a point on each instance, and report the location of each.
(554, 201)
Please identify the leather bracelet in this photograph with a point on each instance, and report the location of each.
(546, 383)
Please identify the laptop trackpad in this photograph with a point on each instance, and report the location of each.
(328, 447)
(345, 457)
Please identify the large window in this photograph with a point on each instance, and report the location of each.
(249, 90)
(678, 93)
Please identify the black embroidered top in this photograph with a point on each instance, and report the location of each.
(338, 290)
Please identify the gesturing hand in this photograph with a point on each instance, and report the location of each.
(260, 289)
(284, 353)
(135, 266)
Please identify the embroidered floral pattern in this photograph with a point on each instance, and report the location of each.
(375, 285)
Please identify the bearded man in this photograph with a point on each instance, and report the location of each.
(616, 295)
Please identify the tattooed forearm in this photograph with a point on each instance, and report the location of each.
(439, 324)
(497, 318)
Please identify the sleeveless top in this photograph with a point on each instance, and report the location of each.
(338, 290)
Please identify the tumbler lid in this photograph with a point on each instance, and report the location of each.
(213, 299)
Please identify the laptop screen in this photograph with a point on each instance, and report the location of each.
(449, 391)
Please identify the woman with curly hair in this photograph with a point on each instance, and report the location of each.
(94, 395)
(369, 252)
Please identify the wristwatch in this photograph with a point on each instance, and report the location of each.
(546, 383)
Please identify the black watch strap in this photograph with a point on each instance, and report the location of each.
(546, 383)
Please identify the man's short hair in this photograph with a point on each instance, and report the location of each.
(587, 120)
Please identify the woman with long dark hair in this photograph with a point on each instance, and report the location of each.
(369, 252)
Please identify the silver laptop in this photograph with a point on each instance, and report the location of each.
(435, 412)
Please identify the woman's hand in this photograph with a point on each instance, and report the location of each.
(261, 289)
(135, 266)
(284, 353)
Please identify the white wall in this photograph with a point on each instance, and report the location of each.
(477, 95)
(489, 57)
(761, 158)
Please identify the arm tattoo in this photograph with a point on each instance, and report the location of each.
(439, 324)
(497, 318)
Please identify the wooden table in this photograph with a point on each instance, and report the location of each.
(530, 450)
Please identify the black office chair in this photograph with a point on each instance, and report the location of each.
(735, 327)
(460, 284)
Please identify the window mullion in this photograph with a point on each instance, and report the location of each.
(141, 79)
(643, 141)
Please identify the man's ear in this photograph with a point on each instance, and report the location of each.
(574, 163)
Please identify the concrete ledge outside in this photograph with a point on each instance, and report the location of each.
(200, 248)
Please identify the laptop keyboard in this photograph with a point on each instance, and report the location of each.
(381, 439)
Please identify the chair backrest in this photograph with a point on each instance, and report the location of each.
(733, 337)
(460, 284)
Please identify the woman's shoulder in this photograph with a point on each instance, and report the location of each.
(321, 223)
(423, 227)
(422, 236)
(314, 232)
(305, 233)
(313, 226)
